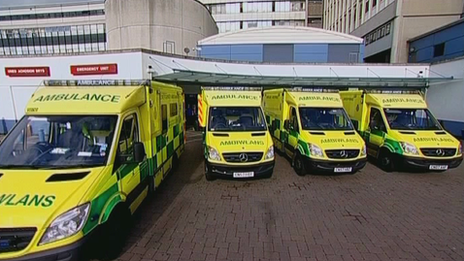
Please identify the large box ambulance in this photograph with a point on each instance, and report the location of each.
(400, 131)
(80, 162)
(311, 127)
(237, 143)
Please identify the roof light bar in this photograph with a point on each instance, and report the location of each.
(374, 91)
(96, 82)
(231, 88)
(302, 89)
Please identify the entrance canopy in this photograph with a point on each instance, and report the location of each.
(206, 72)
(222, 79)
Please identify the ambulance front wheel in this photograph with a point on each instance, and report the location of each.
(386, 160)
(115, 232)
(299, 165)
(208, 175)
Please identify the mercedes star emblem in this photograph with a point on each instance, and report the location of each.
(243, 157)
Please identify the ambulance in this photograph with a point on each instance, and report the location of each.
(311, 127)
(400, 131)
(236, 140)
(80, 162)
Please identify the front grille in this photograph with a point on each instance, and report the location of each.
(15, 239)
(243, 157)
(342, 154)
(438, 152)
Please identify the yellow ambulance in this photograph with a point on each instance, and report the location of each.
(81, 161)
(237, 143)
(400, 131)
(311, 127)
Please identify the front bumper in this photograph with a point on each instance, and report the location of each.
(71, 252)
(424, 163)
(330, 166)
(223, 170)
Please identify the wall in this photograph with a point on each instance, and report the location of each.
(160, 25)
(302, 53)
(16, 91)
(446, 100)
(452, 37)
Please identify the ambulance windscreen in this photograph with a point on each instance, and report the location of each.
(324, 119)
(58, 142)
(411, 119)
(236, 119)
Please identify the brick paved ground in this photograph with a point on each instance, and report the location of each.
(368, 216)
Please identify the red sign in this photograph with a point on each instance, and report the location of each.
(91, 69)
(27, 71)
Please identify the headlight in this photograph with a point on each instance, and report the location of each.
(270, 153)
(409, 148)
(315, 150)
(364, 151)
(66, 224)
(460, 148)
(213, 154)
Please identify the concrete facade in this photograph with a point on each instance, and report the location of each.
(168, 26)
(387, 25)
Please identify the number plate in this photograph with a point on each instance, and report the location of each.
(438, 167)
(244, 174)
(343, 170)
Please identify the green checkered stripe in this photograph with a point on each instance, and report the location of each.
(392, 145)
(109, 198)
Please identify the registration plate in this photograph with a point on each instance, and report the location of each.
(438, 167)
(343, 170)
(244, 174)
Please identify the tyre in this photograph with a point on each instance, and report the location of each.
(298, 165)
(114, 233)
(386, 161)
(208, 175)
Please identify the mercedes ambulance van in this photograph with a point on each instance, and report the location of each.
(311, 127)
(237, 143)
(400, 131)
(81, 161)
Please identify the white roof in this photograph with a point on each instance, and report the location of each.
(281, 34)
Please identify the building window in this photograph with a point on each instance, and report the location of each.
(374, 3)
(257, 7)
(439, 50)
(367, 7)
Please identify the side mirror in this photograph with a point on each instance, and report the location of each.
(139, 152)
(287, 124)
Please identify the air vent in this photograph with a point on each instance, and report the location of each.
(258, 134)
(220, 134)
(408, 132)
(440, 133)
(316, 133)
(349, 133)
(67, 177)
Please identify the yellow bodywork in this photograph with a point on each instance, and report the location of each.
(362, 107)
(31, 198)
(278, 106)
(226, 142)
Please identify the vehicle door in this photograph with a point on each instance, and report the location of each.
(292, 129)
(126, 166)
(376, 131)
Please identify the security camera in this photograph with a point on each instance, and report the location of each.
(150, 70)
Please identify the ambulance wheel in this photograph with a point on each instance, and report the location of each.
(208, 175)
(298, 165)
(269, 174)
(115, 232)
(386, 161)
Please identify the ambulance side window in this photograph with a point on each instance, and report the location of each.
(164, 117)
(376, 121)
(173, 109)
(294, 119)
(129, 135)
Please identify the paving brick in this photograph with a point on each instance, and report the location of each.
(368, 216)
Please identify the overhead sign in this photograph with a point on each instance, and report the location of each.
(91, 69)
(27, 71)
